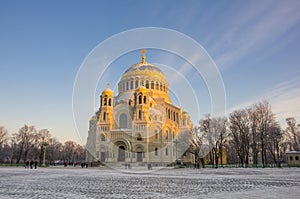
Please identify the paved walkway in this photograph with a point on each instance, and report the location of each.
(165, 183)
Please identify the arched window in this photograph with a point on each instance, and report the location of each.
(169, 114)
(102, 137)
(174, 116)
(123, 121)
(105, 101)
(142, 83)
(139, 137)
(152, 85)
(156, 151)
(140, 99)
(167, 152)
(145, 100)
(109, 102)
(160, 86)
(156, 85)
(140, 114)
(147, 84)
(164, 88)
(156, 134)
(104, 116)
(131, 85)
(136, 83)
(127, 86)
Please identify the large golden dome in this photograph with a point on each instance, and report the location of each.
(146, 75)
(144, 70)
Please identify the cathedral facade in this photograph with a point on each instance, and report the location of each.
(140, 124)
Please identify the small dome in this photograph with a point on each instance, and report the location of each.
(141, 89)
(108, 90)
(185, 113)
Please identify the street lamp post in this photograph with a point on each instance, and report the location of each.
(44, 157)
(176, 142)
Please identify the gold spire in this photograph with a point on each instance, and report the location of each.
(144, 56)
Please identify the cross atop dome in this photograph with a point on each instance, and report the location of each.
(144, 56)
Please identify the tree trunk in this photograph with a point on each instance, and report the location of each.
(20, 155)
(216, 158)
(25, 154)
(262, 152)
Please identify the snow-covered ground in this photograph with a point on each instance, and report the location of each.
(71, 182)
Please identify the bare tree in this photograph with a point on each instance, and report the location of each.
(12, 150)
(240, 131)
(208, 137)
(183, 145)
(29, 144)
(221, 135)
(292, 134)
(80, 152)
(54, 150)
(199, 147)
(255, 140)
(3, 135)
(274, 138)
(231, 153)
(25, 139)
(266, 119)
(68, 151)
(211, 136)
(3, 140)
(42, 139)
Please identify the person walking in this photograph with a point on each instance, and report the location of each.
(27, 164)
(31, 164)
(35, 164)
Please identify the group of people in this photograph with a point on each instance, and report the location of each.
(127, 166)
(30, 164)
(82, 164)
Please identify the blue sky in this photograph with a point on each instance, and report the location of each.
(255, 45)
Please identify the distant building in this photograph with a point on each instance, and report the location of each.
(140, 124)
(293, 158)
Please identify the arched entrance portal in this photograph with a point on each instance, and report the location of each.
(121, 154)
(139, 157)
(139, 154)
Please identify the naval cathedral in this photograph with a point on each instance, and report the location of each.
(141, 124)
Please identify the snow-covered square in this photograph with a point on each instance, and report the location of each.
(58, 182)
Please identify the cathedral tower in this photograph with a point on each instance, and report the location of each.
(106, 117)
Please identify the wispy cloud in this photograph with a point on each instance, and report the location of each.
(284, 99)
(258, 25)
